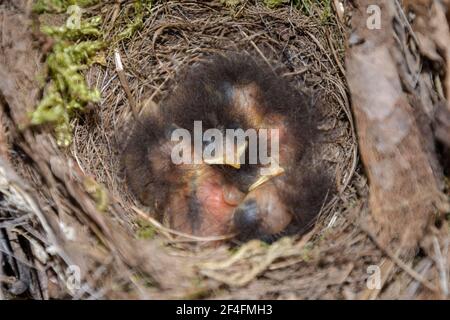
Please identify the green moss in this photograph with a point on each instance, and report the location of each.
(321, 8)
(59, 6)
(145, 230)
(98, 193)
(307, 252)
(88, 28)
(327, 11)
(275, 3)
(67, 92)
(144, 279)
(137, 21)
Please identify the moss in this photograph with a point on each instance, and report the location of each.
(145, 230)
(97, 192)
(144, 279)
(275, 3)
(307, 252)
(88, 28)
(139, 9)
(67, 92)
(59, 6)
(321, 8)
(327, 11)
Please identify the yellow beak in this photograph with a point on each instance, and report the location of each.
(263, 179)
(222, 159)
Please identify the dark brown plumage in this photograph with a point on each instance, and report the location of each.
(227, 93)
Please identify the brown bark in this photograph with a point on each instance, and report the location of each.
(392, 104)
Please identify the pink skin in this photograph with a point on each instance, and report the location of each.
(216, 202)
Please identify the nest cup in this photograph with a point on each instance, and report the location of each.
(177, 35)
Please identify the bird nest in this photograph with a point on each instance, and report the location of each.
(72, 229)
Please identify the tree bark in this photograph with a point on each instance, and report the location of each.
(393, 103)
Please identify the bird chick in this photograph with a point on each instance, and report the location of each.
(216, 196)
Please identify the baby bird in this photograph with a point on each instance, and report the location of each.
(217, 196)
